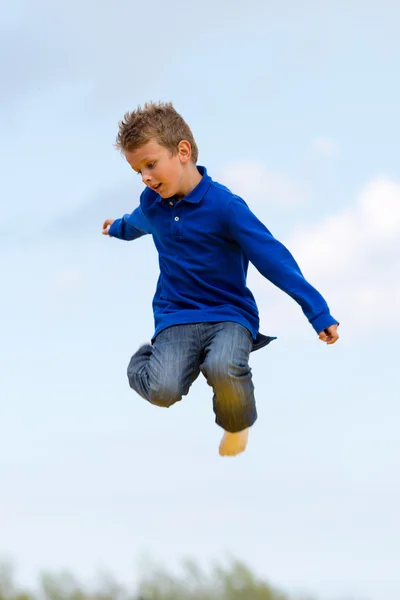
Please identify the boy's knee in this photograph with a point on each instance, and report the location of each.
(226, 371)
(164, 395)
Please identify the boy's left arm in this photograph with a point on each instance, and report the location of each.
(274, 261)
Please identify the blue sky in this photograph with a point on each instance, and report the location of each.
(295, 108)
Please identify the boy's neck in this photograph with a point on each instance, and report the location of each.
(190, 181)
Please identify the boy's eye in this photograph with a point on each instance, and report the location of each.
(150, 165)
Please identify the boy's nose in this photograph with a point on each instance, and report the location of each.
(146, 179)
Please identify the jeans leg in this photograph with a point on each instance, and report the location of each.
(227, 371)
(163, 372)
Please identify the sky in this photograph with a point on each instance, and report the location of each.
(294, 106)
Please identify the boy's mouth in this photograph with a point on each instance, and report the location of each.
(156, 187)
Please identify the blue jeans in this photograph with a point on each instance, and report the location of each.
(163, 372)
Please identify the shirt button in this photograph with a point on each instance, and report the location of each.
(176, 218)
(171, 203)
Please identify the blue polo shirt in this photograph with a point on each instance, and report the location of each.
(205, 242)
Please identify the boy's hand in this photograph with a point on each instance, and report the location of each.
(106, 226)
(329, 335)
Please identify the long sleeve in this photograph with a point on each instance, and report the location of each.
(274, 261)
(130, 227)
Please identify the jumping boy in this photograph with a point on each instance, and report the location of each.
(206, 319)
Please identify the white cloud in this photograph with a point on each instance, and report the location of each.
(365, 235)
(255, 184)
(353, 258)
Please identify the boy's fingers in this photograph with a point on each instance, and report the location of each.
(333, 338)
(330, 335)
(106, 226)
(323, 337)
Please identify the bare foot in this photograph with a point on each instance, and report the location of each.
(233, 443)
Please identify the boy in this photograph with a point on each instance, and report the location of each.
(206, 319)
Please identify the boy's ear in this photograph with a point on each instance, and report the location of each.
(184, 151)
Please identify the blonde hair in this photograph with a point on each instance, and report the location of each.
(158, 121)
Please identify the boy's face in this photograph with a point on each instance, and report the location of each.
(161, 170)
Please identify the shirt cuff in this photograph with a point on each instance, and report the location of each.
(113, 229)
(323, 322)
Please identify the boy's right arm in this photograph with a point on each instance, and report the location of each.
(128, 227)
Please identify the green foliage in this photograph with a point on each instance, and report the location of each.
(233, 582)
(7, 586)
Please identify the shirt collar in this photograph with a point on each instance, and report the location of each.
(200, 190)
